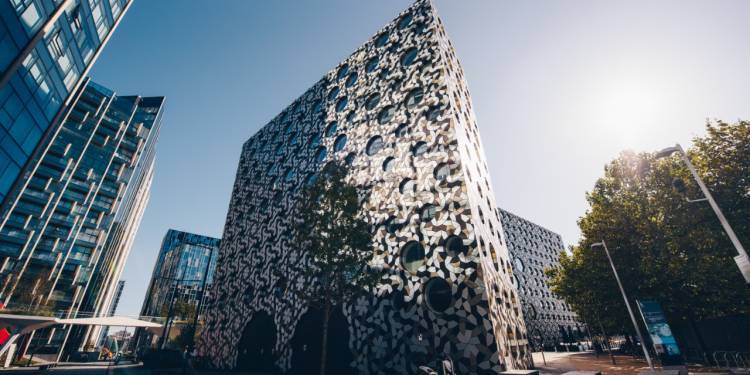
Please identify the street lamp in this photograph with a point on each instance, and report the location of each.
(742, 260)
(627, 304)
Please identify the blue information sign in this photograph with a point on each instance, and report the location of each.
(665, 344)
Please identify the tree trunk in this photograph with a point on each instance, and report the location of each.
(324, 347)
(699, 340)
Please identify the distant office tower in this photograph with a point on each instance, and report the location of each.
(65, 238)
(399, 113)
(549, 320)
(116, 298)
(46, 48)
(112, 309)
(186, 261)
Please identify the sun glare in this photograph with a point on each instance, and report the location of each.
(628, 109)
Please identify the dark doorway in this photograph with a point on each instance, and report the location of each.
(255, 350)
(306, 344)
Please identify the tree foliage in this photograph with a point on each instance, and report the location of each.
(663, 246)
(337, 242)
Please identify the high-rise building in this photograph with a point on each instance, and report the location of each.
(398, 112)
(65, 238)
(116, 298)
(185, 265)
(112, 308)
(533, 249)
(46, 48)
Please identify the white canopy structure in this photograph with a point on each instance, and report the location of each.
(22, 324)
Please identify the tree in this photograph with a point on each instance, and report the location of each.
(183, 310)
(338, 245)
(663, 247)
(186, 336)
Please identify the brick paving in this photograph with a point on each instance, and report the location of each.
(559, 363)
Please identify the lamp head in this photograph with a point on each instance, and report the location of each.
(597, 244)
(666, 152)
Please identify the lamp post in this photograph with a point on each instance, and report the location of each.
(742, 260)
(627, 304)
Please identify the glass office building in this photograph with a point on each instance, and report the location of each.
(186, 261)
(65, 238)
(46, 48)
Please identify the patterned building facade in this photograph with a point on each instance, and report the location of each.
(549, 320)
(46, 49)
(67, 234)
(398, 112)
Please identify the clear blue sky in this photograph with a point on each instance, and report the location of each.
(559, 88)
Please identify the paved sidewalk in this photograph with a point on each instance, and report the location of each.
(561, 362)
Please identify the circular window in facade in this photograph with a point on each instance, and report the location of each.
(442, 171)
(351, 80)
(331, 128)
(404, 21)
(420, 148)
(384, 73)
(290, 174)
(372, 101)
(349, 159)
(341, 104)
(434, 113)
(438, 294)
(427, 212)
(407, 186)
(409, 56)
(412, 256)
(320, 155)
(374, 145)
(420, 28)
(333, 93)
(339, 143)
(372, 64)
(315, 140)
(351, 117)
(280, 288)
(454, 245)
(402, 130)
(317, 106)
(389, 163)
(311, 179)
(415, 97)
(343, 71)
(381, 40)
(391, 225)
(386, 114)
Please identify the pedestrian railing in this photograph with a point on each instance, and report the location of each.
(731, 359)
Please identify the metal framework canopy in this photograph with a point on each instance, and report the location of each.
(26, 323)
